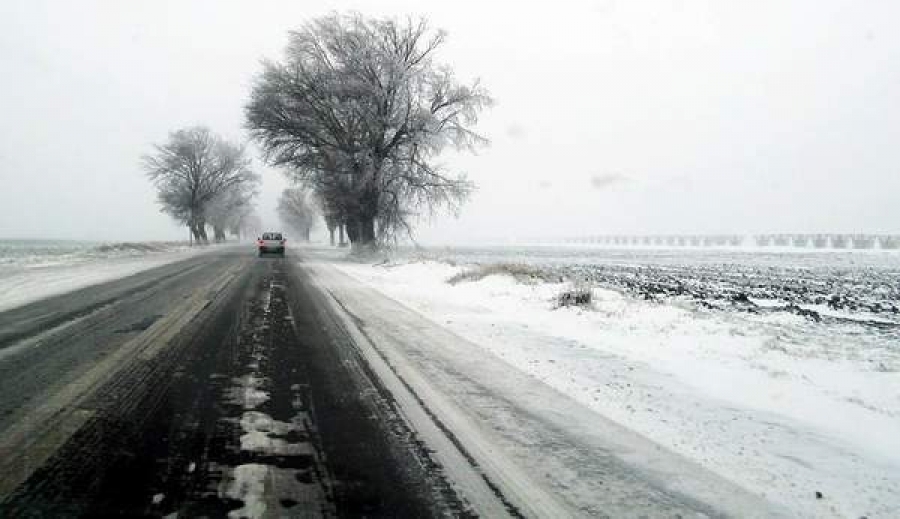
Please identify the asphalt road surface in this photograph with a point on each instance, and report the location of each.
(219, 384)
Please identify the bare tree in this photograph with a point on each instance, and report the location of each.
(297, 210)
(226, 210)
(245, 223)
(192, 169)
(359, 111)
(334, 218)
(250, 225)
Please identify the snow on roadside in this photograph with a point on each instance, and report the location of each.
(764, 400)
(20, 285)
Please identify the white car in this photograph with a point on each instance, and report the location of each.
(271, 242)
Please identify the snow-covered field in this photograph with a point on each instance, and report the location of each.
(31, 270)
(777, 371)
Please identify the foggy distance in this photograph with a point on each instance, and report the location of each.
(611, 117)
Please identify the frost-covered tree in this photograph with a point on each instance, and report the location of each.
(226, 210)
(193, 169)
(359, 110)
(296, 208)
(334, 218)
(250, 225)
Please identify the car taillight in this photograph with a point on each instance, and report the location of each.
(259, 242)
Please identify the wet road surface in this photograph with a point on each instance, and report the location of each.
(216, 385)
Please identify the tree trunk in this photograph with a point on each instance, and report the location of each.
(342, 242)
(219, 234)
(361, 231)
(198, 236)
(201, 228)
(368, 210)
(331, 234)
(367, 231)
(352, 230)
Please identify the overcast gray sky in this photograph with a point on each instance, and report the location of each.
(612, 116)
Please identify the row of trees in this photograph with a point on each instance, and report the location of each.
(298, 208)
(357, 113)
(297, 211)
(203, 180)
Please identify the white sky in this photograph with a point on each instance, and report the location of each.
(632, 117)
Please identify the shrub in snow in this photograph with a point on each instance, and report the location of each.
(884, 368)
(521, 273)
(580, 294)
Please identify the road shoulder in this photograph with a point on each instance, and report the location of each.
(545, 452)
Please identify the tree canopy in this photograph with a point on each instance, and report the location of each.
(359, 110)
(202, 178)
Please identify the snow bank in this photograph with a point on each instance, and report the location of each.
(25, 254)
(775, 402)
(31, 278)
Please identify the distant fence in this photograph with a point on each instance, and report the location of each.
(812, 241)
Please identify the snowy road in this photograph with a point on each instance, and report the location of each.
(210, 386)
(266, 387)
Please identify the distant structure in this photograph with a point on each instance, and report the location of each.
(802, 241)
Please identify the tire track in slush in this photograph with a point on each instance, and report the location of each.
(101, 416)
(275, 464)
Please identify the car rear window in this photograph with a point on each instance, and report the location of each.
(272, 236)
